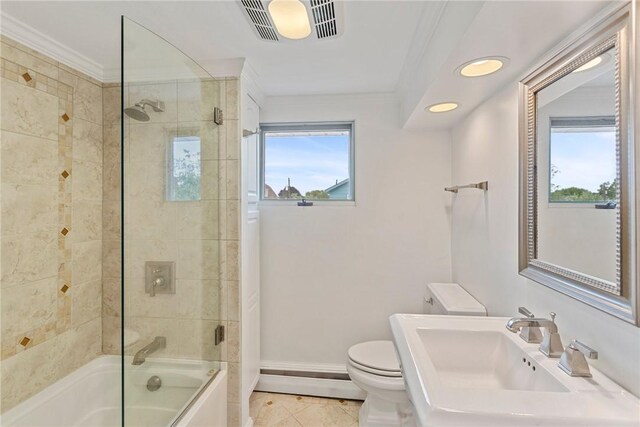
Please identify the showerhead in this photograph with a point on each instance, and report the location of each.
(137, 113)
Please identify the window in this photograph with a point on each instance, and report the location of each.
(183, 177)
(310, 161)
(582, 153)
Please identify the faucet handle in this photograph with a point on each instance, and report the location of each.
(551, 345)
(530, 334)
(525, 312)
(584, 349)
(573, 361)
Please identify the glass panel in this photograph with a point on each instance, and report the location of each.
(577, 171)
(307, 161)
(583, 160)
(171, 263)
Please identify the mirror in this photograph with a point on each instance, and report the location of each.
(578, 212)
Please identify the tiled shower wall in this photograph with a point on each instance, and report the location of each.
(200, 236)
(159, 229)
(60, 231)
(111, 217)
(51, 202)
(229, 176)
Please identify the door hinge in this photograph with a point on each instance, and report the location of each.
(219, 334)
(218, 116)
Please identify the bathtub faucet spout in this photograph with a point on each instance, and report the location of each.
(157, 344)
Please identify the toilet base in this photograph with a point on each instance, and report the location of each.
(376, 412)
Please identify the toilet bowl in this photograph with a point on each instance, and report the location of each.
(374, 367)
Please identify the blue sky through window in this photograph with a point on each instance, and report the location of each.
(583, 159)
(312, 160)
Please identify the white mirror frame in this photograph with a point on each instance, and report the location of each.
(613, 31)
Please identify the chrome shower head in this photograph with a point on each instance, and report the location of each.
(137, 113)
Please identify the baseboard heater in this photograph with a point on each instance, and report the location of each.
(306, 374)
(321, 382)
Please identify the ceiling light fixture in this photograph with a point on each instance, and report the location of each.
(290, 18)
(443, 107)
(482, 66)
(593, 63)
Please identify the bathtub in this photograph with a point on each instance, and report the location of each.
(91, 396)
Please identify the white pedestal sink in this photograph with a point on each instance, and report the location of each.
(471, 371)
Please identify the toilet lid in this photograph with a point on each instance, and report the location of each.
(378, 355)
(377, 372)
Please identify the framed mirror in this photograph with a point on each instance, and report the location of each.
(578, 211)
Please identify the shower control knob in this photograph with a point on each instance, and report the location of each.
(158, 282)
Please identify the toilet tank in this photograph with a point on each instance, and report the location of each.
(451, 299)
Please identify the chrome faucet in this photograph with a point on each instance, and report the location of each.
(573, 360)
(158, 343)
(530, 334)
(551, 345)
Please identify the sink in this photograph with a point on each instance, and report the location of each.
(469, 371)
(483, 360)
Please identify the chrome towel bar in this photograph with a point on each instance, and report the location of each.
(484, 185)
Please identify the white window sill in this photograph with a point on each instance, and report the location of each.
(571, 205)
(316, 203)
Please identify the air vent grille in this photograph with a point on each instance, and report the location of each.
(324, 17)
(260, 19)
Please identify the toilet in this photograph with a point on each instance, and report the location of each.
(374, 367)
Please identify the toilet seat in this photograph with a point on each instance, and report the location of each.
(373, 371)
(377, 384)
(375, 357)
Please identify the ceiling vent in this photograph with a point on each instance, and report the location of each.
(324, 15)
(260, 19)
(324, 18)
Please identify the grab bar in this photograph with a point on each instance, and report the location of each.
(484, 185)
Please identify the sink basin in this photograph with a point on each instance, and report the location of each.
(483, 360)
(469, 371)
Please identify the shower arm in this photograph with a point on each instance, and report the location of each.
(158, 106)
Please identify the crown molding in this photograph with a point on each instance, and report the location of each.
(221, 68)
(34, 39)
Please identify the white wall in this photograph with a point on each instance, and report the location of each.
(331, 275)
(485, 242)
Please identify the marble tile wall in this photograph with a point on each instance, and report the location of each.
(60, 223)
(51, 230)
(160, 229)
(229, 159)
(201, 236)
(111, 221)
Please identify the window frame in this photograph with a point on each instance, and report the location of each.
(309, 127)
(170, 166)
(575, 123)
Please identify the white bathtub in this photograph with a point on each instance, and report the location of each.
(91, 396)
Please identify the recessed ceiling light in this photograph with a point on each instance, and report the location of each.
(443, 107)
(290, 18)
(482, 66)
(593, 63)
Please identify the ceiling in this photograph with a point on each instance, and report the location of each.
(523, 31)
(410, 48)
(368, 57)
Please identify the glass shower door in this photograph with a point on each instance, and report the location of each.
(171, 228)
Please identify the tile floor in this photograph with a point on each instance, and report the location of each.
(288, 410)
